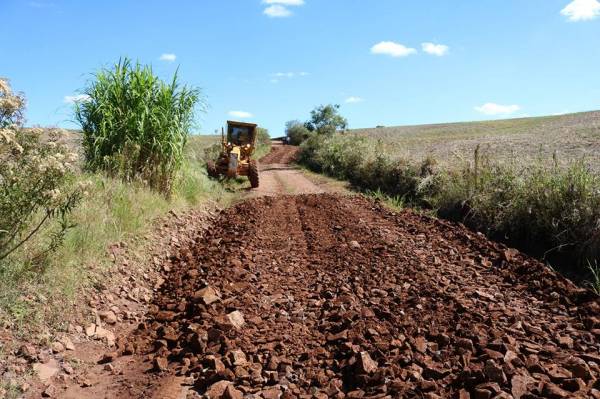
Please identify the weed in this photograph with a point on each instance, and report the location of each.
(595, 272)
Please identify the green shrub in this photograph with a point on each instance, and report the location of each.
(364, 163)
(296, 132)
(262, 137)
(135, 126)
(34, 184)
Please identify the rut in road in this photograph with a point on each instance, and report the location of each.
(323, 295)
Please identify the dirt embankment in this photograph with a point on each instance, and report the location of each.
(322, 295)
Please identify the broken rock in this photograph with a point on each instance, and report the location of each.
(217, 390)
(236, 318)
(108, 316)
(365, 364)
(46, 371)
(207, 295)
(161, 364)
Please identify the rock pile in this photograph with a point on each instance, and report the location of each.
(321, 296)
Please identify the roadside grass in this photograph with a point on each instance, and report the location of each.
(548, 210)
(594, 282)
(393, 202)
(33, 300)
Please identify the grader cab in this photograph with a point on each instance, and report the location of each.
(237, 148)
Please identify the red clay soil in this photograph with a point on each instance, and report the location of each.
(281, 154)
(318, 296)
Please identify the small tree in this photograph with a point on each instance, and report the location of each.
(326, 119)
(262, 137)
(296, 132)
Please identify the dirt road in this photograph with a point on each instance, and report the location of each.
(279, 176)
(323, 295)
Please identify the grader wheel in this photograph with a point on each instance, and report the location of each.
(211, 169)
(253, 173)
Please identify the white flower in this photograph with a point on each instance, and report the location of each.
(7, 135)
(4, 87)
(72, 157)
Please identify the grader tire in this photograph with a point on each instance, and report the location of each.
(211, 169)
(253, 174)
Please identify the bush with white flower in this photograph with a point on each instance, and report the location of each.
(36, 190)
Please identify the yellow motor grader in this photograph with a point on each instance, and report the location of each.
(237, 148)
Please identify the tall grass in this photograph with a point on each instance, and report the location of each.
(136, 126)
(552, 212)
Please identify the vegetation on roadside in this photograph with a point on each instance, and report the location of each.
(263, 143)
(549, 211)
(296, 132)
(35, 190)
(135, 126)
(324, 120)
(75, 214)
(112, 211)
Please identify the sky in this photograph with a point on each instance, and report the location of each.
(386, 62)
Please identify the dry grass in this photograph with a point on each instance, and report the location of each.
(571, 136)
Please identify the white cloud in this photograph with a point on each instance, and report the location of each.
(285, 2)
(581, 10)
(168, 57)
(40, 4)
(290, 75)
(240, 114)
(277, 11)
(497, 109)
(77, 98)
(354, 100)
(277, 77)
(435, 49)
(393, 49)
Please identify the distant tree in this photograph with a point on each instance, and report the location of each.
(326, 119)
(296, 132)
(263, 137)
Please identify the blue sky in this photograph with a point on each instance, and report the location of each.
(387, 62)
